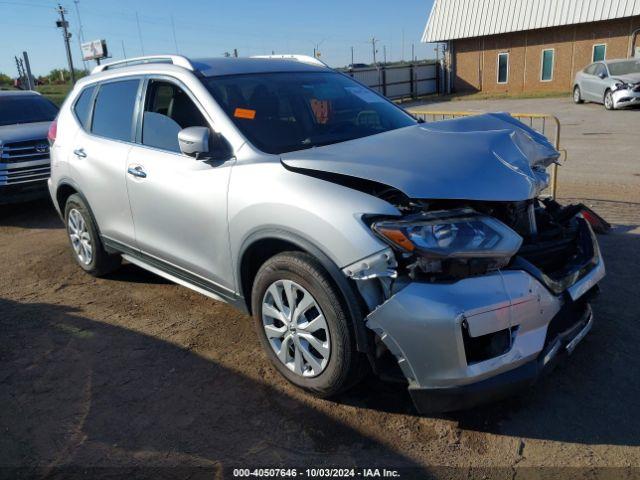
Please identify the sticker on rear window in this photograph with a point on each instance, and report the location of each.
(244, 113)
(321, 110)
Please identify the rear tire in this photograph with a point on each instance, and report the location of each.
(300, 277)
(86, 245)
(577, 95)
(608, 100)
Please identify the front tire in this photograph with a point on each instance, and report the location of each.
(577, 95)
(608, 100)
(88, 251)
(303, 325)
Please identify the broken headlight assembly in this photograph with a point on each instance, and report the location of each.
(453, 243)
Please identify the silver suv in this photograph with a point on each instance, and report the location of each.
(357, 238)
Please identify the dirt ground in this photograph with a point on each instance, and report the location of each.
(102, 377)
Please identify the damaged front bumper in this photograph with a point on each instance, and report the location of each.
(462, 343)
(626, 97)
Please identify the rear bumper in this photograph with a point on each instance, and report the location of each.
(432, 400)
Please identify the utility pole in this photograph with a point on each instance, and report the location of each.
(27, 67)
(403, 44)
(21, 74)
(413, 52)
(62, 23)
(175, 41)
(351, 56)
(373, 41)
(140, 34)
(384, 53)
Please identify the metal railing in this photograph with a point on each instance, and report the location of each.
(547, 125)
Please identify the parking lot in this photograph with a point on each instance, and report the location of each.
(131, 370)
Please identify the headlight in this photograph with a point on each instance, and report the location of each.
(622, 86)
(456, 234)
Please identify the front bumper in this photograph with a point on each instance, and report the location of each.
(23, 192)
(428, 328)
(626, 97)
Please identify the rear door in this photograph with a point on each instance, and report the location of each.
(179, 204)
(601, 82)
(100, 150)
(588, 83)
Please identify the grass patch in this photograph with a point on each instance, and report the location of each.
(55, 93)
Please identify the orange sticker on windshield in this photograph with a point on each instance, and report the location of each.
(244, 113)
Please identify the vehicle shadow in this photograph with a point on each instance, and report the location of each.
(76, 392)
(35, 214)
(593, 397)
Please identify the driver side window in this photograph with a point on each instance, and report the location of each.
(168, 109)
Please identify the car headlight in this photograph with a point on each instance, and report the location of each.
(450, 235)
(622, 86)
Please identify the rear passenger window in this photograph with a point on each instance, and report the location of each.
(82, 108)
(113, 113)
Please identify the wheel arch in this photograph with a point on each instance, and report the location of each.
(262, 245)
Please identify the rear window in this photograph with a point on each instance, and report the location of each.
(16, 109)
(113, 113)
(82, 107)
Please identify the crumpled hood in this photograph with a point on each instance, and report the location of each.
(491, 157)
(630, 78)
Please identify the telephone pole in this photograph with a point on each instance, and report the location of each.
(140, 34)
(384, 52)
(373, 41)
(351, 56)
(62, 23)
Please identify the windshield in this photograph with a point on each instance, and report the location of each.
(283, 112)
(624, 68)
(26, 109)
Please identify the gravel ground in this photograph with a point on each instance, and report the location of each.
(132, 371)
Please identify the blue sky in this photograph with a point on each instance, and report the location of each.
(209, 28)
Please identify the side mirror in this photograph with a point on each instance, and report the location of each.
(602, 75)
(194, 141)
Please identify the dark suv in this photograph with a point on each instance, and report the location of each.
(25, 118)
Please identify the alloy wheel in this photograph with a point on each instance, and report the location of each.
(296, 328)
(608, 101)
(576, 95)
(79, 236)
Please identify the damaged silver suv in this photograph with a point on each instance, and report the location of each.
(357, 237)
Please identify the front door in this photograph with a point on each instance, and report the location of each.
(179, 204)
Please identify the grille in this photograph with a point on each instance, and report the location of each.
(25, 151)
(24, 162)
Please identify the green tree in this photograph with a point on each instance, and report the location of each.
(5, 79)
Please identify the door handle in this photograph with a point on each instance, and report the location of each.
(79, 152)
(137, 171)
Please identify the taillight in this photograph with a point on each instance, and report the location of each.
(53, 131)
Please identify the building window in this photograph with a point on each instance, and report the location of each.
(503, 67)
(546, 72)
(599, 52)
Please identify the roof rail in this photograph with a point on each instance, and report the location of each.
(300, 58)
(178, 60)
